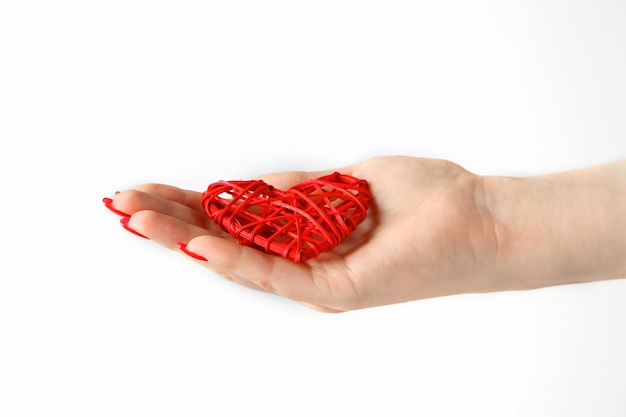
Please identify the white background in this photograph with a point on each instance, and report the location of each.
(101, 96)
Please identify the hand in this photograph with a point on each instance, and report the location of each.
(428, 233)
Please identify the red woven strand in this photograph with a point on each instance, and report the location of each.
(300, 223)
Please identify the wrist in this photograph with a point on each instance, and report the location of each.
(559, 228)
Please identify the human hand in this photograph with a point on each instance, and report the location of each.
(427, 234)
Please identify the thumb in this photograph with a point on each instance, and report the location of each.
(285, 180)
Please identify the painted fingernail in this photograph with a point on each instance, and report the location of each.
(124, 222)
(183, 247)
(108, 202)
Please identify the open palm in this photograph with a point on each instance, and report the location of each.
(427, 234)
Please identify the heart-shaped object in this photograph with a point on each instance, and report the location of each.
(309, 218)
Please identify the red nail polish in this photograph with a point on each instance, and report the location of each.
(108, 202)
(124, 222)
(183, 248)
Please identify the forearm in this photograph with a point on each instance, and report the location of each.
(560, 228)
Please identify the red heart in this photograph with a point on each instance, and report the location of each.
(309, 218)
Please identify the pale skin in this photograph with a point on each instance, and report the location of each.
(433, 229)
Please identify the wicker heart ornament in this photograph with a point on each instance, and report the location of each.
(309, 218)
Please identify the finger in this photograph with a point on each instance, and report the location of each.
(169, 232)
(189, 198)
(321, 309)
(229, 275)
(163, 229)
(240, 281)
(133, 201)
(284, 180)
(268, 272)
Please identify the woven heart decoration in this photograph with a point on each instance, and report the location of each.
(309, 218)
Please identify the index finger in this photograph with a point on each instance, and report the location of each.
(192, 199)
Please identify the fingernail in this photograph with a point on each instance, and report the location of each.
(108, 202)
(183, 248)
(124, 222)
